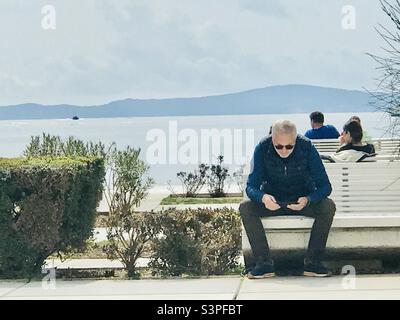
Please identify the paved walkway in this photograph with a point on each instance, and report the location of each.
(100, 263)
(159, 192)
(217, 288)
(91, 263)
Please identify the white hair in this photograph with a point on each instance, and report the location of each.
(284, 127)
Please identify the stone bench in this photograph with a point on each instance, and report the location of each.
(367, 220)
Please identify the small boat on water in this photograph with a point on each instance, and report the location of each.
(75, 118)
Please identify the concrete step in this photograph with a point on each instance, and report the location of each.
(218, 288)
(91, 263)
(99, 263)
(369, 287)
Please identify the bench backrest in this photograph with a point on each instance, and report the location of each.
(364, 188)
(382, 146)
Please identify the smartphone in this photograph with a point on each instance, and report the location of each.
(284, 204)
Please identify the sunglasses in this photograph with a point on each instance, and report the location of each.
(287, 147)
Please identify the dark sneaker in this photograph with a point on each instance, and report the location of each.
(316, 269)
(262, 270)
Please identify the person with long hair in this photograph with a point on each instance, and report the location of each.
(366, 137)
(352, 137)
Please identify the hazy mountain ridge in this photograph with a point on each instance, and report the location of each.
(269, 100)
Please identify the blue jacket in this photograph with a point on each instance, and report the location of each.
(325, 132)
(302, 174)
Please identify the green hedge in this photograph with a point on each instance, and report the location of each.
(197, 242)
(46, 205)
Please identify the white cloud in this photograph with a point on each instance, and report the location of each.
(106, 50)
(267, 7)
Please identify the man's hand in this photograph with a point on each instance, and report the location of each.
(270, 202)
(301, 203)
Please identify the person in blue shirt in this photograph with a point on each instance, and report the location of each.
(319, 130)
(287, 178)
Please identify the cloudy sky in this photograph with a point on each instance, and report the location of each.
(104, 50)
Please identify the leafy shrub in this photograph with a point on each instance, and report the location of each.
(193, 182)
(128, 231)
(197, 242)
(217, 177)
(214, 175)
(128, 234)
(54, 146)
(47, 205)
(221, 240)
(178, 250)
(238, 178)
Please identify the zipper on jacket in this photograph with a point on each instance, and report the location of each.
(285, 171)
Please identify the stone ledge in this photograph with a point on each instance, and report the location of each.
(340, 221)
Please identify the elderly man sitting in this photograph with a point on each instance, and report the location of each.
(287, 178)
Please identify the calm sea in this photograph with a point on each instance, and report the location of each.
(179, 139)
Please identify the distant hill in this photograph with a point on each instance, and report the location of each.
(269, 100)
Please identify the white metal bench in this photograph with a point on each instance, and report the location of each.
(383, 147)
(367, 197)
